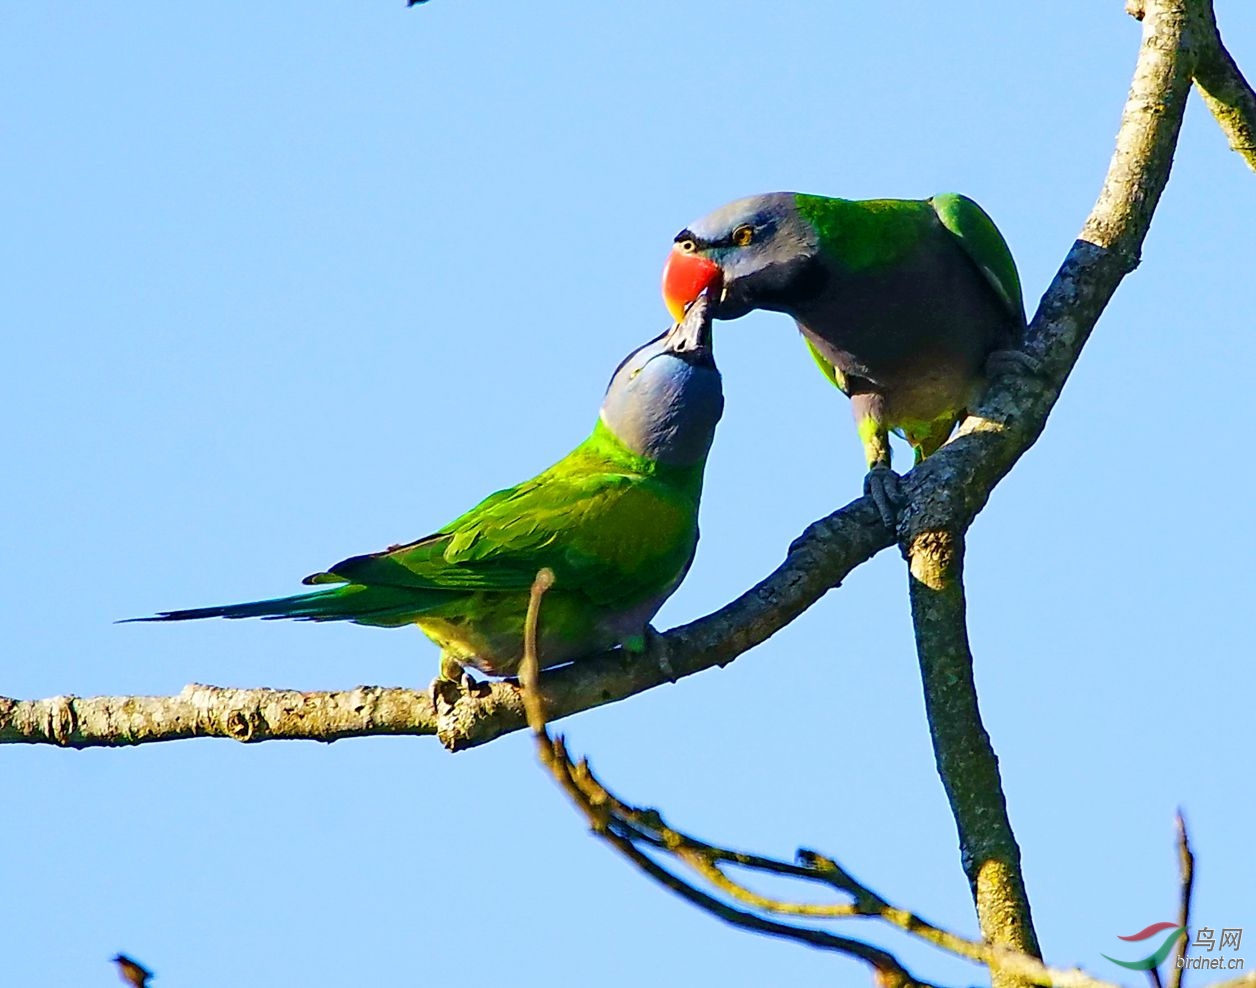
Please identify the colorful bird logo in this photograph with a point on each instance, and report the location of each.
(1156, 958)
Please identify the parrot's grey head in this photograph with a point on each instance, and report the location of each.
(754, 253)
(665, 398)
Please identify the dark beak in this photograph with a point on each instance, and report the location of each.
(691, 337)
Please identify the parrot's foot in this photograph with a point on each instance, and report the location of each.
(1017, 362)
(453, 682)
(882, 485)
(656, 649)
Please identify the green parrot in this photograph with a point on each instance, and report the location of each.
(907, 305)
(616, 520)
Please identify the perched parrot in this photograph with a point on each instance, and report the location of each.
(616, 520)
(907, 305)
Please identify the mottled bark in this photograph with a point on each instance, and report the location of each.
(1227, 94)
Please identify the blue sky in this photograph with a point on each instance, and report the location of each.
(286, 282)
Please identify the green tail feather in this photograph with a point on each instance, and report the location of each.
(381, 606)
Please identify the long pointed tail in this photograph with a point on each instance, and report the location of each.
(384, 606)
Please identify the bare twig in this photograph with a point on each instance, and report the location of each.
(529, 668)
(132, 972)
(1186, 872)
(613, 821)
(1224, 90)
(627, 828)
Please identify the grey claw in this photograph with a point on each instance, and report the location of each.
(439, 690)
(882, 485)
(1016, 362)
(656, 648)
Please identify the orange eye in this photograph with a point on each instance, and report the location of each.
(743, 235)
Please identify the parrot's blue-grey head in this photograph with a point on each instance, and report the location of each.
(665, 399)
(754, 253)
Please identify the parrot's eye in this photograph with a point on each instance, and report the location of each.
(743, 235)
(686, 246)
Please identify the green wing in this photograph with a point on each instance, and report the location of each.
(826, 368)
(983, 243)
(606, 534)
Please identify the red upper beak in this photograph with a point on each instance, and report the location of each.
(685, 276)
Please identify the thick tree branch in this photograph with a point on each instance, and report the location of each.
(966, 761)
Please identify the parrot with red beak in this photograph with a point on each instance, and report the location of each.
(907, 305)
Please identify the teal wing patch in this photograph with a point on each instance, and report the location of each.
(983, 243)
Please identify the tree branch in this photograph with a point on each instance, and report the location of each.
(816, 563)
(1221, 85)
(1186, 872)
(965, 758)
(1226, 93)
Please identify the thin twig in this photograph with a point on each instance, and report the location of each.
(599, 807)
(1224, 89)
(626, 827)
(530, 667)
(1186, 872)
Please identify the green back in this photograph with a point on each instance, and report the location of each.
(866, 233)
(611, 525)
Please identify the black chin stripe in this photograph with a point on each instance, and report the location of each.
(804, 285)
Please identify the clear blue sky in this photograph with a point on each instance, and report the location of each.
(290, 281)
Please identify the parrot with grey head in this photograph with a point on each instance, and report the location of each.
(616, 520)
(907, 305)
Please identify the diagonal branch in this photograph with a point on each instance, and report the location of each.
(1224, 89)
(816, 563)
(1226, 93)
